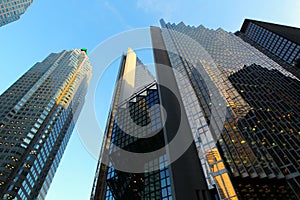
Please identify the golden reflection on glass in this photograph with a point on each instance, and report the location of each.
(222, 180)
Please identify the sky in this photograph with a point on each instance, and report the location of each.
(51, 26)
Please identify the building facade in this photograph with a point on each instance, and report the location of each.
(137, 100)
(37, 116)
(11, 11)
(280, 43)
(245, 118)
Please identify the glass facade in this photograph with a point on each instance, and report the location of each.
(11, 10)
(137, 104)
(150, 185)
(279, 42)
(37, 117)
(221, 78)
(271, 127)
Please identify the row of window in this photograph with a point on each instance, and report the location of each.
(286, 50)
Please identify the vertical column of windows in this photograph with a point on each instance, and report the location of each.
(284, 48)
(285, 52)
(289, 54)
(260, 34)
(270, 41)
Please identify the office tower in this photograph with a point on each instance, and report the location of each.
(137, 100)
(12, 10)
(254, 153)
(37, 116)
(280, 43)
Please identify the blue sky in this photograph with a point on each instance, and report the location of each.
(51, 26)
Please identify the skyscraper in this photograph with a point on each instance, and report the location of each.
(254, 153)
(280, 43)
(37, 116)
(12, 10)
(136, 124)
(239, 107)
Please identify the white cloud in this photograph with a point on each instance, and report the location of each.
(163, 8)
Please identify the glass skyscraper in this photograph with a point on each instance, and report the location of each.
(255, 153)
(134, 99)
(11, 10)
(239, 107)
(280, 43)
(37, 116)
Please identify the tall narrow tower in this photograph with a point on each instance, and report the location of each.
(135, 93)
(136, 124)
(37, 116)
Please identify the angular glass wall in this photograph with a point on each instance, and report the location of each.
(204, 62)
(135, 125)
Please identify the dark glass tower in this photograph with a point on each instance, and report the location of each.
(135, 94)
(12, 10)
(37, 116)
(280, 43)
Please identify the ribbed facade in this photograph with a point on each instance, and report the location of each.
(155, 184)
(254, 153)
(37, 117)
(11, 10)
(135, 99)
(280, 43)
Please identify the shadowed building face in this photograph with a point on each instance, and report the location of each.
(280, 43)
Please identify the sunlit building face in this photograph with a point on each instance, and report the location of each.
(37, 116)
